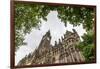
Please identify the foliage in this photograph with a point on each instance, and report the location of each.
(77, 16)
(87, 46)
(28, 16)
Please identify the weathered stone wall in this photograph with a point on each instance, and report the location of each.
(63, 52)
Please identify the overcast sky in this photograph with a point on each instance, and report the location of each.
(57, 29)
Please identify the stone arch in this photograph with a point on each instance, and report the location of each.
(62, 58)
(53, 60)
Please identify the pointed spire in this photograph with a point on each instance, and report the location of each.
(59, 41)
(74, 30)
(48, 33)
(62, 38)
(55, 43)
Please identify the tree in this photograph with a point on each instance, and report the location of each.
(77, 16)
(87, 46)
(28, 16)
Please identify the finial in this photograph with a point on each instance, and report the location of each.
(74, 30)
(48, 32)
(62, 38)
(55, 43)
(59, 40)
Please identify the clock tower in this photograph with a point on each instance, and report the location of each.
(45, 43)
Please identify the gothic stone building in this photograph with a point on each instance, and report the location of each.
(65, 51)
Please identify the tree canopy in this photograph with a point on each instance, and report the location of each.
(87, 46)
(28, 16)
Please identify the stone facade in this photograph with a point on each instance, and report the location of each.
(65, 51)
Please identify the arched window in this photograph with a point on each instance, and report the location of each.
(69, 40)
(72, 40)
(65, 50)
(60, 58)
(53, 60)
(67, 54)
(75, 59)
(72, 50)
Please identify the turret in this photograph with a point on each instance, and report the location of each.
(55, 43)
(47, 36)
(59, 41)
(74, 30)
(45, 42)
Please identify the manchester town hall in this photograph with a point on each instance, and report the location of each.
(64, 51)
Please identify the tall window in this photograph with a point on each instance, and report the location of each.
(53, 60)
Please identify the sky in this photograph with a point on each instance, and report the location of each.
(57, 29)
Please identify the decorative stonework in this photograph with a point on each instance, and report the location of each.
(63, 52)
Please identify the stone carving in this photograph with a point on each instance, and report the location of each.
(65, 51)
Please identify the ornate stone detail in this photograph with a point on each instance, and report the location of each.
(63, 52)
